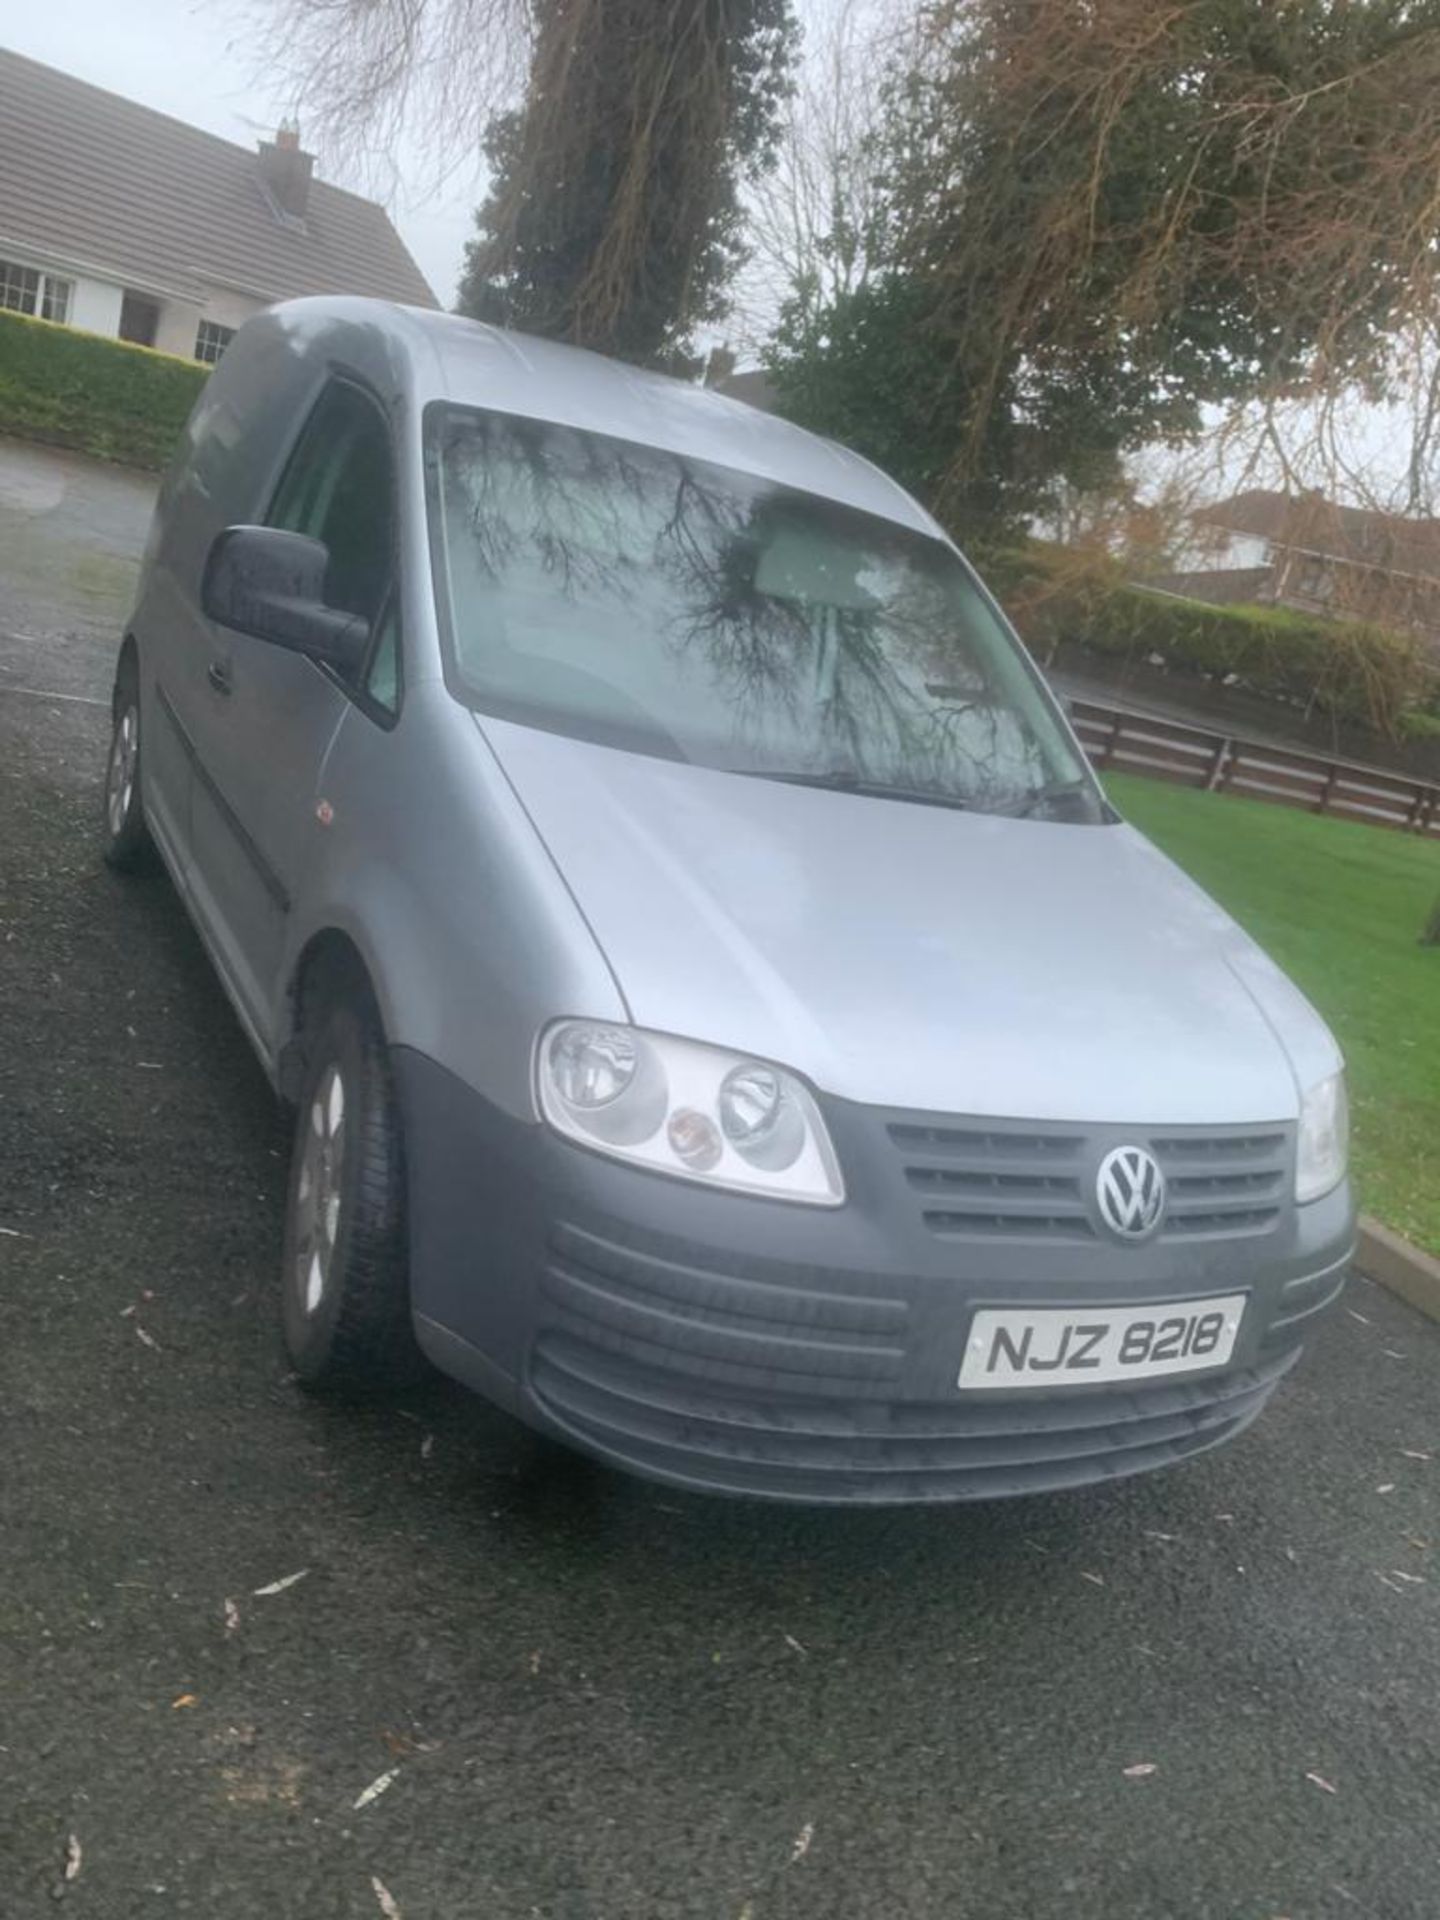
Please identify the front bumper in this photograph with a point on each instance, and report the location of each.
(757, 1347)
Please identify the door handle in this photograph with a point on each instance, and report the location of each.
(218, 674)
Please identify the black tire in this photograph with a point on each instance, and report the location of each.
(128, 846)
(345, 1290)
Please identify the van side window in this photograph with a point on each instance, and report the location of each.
(339, 487)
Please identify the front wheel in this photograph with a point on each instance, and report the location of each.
(345, 1302)
(127, 839)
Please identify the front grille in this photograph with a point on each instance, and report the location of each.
(976, 1183)
(841, 1449)
(1223, 1184)
(993, 1182)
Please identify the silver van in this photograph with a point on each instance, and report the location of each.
(725, 1020)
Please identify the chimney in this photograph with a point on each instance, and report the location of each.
(285, 170)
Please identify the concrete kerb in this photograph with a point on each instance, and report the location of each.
(1394, 1263)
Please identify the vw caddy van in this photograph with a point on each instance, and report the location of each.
(725, 1021)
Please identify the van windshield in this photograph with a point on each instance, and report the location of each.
(622, 594)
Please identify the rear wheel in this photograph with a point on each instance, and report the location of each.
(345, 1303)
(127, 839)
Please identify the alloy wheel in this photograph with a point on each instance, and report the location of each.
(124, 758)
(317, 1196)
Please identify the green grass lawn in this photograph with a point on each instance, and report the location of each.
(1340, 907)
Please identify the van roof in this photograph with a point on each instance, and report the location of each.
(472, 364)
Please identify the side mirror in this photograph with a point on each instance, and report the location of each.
(271, 585)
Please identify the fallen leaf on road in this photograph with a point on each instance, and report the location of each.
(14, 1233)
(427, 1446)
(1409, 1453)
(1319, 1780)
(185, 1700)
(377, 1787)
(387, 1901)
(279, 1586)
(148, 1338)
(1410, 1579)
(74, 1858)
(793, 1643)
(1095, 1579)
(535, 1662)
(1151, 1534)
(1386, 1581)
(1387, 1486)
(1142, 1770)
(802, 1842)
(1357, 1316)
(403, 1745)
(232, 1616)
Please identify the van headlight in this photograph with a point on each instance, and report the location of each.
(1323, 1147)
(682, 1108)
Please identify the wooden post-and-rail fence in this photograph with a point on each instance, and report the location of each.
(1118, 739)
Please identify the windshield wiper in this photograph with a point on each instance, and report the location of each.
(1043, 797)
(842, 780)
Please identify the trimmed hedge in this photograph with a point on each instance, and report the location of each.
(102, 397)
(1354, 671)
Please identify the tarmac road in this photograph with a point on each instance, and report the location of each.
(570, 1695)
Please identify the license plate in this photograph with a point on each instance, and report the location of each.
(1074, 1347)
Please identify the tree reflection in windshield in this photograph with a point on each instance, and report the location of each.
(662, 604)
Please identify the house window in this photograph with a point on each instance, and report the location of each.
(211, 341)
(27, 290)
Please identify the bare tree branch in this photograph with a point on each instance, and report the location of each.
(362, 72)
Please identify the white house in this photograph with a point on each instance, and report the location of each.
(1315, 555)
(125, 222)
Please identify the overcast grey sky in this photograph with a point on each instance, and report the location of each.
(196, 60)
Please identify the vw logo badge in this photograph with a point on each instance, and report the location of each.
(1131, 1191)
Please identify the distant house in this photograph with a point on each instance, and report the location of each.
(1313, 554)
(754, 386)
(125, 222)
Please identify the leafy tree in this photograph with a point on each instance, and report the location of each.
(614, 217)
(1101, 218)
(862, 368)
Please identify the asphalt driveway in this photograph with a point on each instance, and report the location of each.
(502, 1685)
